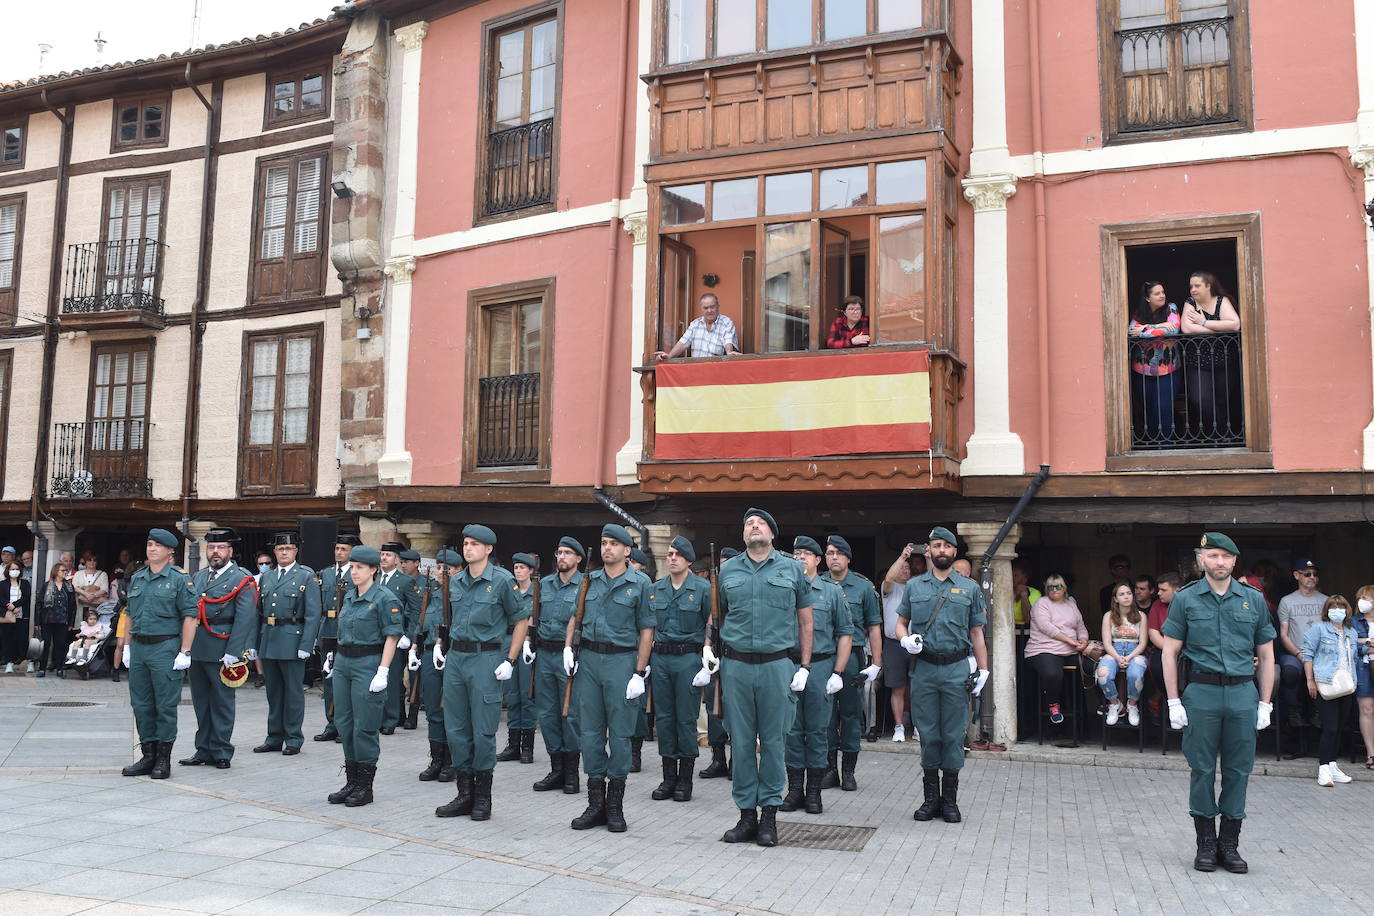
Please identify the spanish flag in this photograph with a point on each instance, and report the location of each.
(793, 407)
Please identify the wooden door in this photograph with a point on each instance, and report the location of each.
(675, 261)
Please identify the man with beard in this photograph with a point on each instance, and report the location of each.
(940, 619)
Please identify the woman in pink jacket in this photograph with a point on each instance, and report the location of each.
(1057, 635)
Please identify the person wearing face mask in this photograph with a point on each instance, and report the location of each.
(1329, 657)
(13, 620)
(1364, 674)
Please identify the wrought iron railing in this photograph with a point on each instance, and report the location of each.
(119, 275)
(508, 432)
(100, 458)
(1187, 392)
(519, 167)
(1176, 75)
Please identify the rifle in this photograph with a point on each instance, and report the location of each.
(716, 646)
(442, 635)
(533, 631)
(419, 647)
(577, 638)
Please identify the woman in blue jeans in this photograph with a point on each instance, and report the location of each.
(1124, 633)
(1330, 646)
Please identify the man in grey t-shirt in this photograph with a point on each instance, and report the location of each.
(1298, 611)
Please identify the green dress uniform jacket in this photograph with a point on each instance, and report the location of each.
(289, 623)
(157, 604)
(366, 620)
(407, 590)
(424, 635)
(680, 619)
(832, 620)
(557, 605)
(617, 610)
(226, 627)
(863, 605)
(335, 584)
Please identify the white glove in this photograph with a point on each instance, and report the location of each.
(871, 672)
(229, 660)
(1262, 718)
(1178, 716)
(403, 643)
(569, 664)
(913, 643)
(702, 678)
(799, 680)
(378, 680)
(709, 660)
(250, 654)
(982, 680)
(833, 684)
(648, 669)
(635, 689)
(438, 657)
(504, 670)
(302, 654)
(126, 656)
(327, 666)
(182, 661)
(527, 653)
(412, 660)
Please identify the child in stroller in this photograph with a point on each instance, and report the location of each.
(87, 643)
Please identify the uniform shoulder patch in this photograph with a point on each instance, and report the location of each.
(180, 570)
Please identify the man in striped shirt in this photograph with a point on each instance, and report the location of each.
(713, 334)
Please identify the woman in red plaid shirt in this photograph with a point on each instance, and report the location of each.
(850, 329)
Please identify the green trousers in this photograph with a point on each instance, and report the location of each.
(214, 706)
(676, 703)
(432, 695)
(759, 706)
(395, 691)
(807, 740)
(606, 719)
(1221, 721)
(357, 712)
(285, 682)
(154, 689)
(472, 708)
(641, 729)
(939, 707)
(328, 690)
(520, 711)
(847, 718)
(716, 735)
(560, 734)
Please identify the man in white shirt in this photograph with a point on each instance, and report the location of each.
(713, 334)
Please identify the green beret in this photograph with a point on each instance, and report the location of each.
(413, 555)
(763, 515)
(943, 534)
(1219, 540)
(639, 556)
(162, 536)
(368, 556)
(480, 533)
(803, 542)
(572, 544)
(728, 552)
(840, 544)
(524, 558)
(684, 547)
(617, 533)
(449, 557)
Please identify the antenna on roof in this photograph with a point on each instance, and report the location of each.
(100, 43)
(195, 26)
(43, 49)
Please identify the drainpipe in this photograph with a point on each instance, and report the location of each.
(985, 565)
(1042, 267)
(600, 496)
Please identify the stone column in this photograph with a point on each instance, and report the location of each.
(427, 537)
(195, 535)
(1002, 624)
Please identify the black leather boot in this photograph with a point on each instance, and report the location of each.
(447, 773)
(481, 796)
(949, 797)
(329, 733)
(796, 789)
(930, 785)
(527, 745)
(114, 677)
(683, 790)
(595, 813)
(412, 718)
(350, 783)
(362, 792)
(812, 799)
(636, 749)
(512, 749)
(1206, 829)
(1228, 838)
(555, 778)
(162, 764)
(462, 802)
(768, 826)
(437, 751)
(746, 830)
(665, 789)
(832, 773)
(717, 767)
(144, 765)
(849, 762)
(572, 768)
(615, 806)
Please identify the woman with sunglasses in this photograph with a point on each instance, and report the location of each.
(1057, 635)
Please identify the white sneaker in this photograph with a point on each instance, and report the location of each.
(899, 734)
(1324, 776)
(30, 667)
(9, 668)
(1336, 773)
(1113, 713)
(1133, 715)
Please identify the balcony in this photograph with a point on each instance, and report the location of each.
(880, 419)
(519, 168)
(100, 459)
(113, 285)
(508, 421)
(1187, 392)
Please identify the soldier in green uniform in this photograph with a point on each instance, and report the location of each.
(644, 726)
(868, 625)
(681, 604)
(403, 587)
(227, 614)
(370, 626)
(161, 608)
(424, 637)
(616, 637)
(1222, 627)
(557, 604)
(334, 584)
(289, 623)
(520, 715)
(485, 606)
(833, 635)
(410, 566)
(766, 602)
(716, 736)
(940, 619)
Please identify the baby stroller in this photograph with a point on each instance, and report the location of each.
(88, 660)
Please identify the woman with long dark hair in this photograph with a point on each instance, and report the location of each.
(1211, 368)
(14, 616)
(57, 615)
(1154, 359)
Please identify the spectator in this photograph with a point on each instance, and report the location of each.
(1209, 367)
(713, 334)
(68, 563)
(1023, 594)
(1166, 587)
(1120, 566)
(1329, 647)
(963, 567)
(850, 328)
(26, 558)
(91, 584)
(264, 561)
(1298, 611)
(1364, 674)
(87, 638)
(1057, 635)
(896, 660)
(1124, 637)
(8, 555)
(57, 615)
(1264, 575)
(14, 631)
(1153, 361)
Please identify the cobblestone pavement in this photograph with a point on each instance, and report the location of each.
(1038, 834)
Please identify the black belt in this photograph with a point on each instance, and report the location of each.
(678, 648)
(550, 645)
(941, 658)
(360, 651)
(286, 621)
(466, 645)
(756, 658)
(815, 656)
(149, 640)
(1218, 680)
(606, 648)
